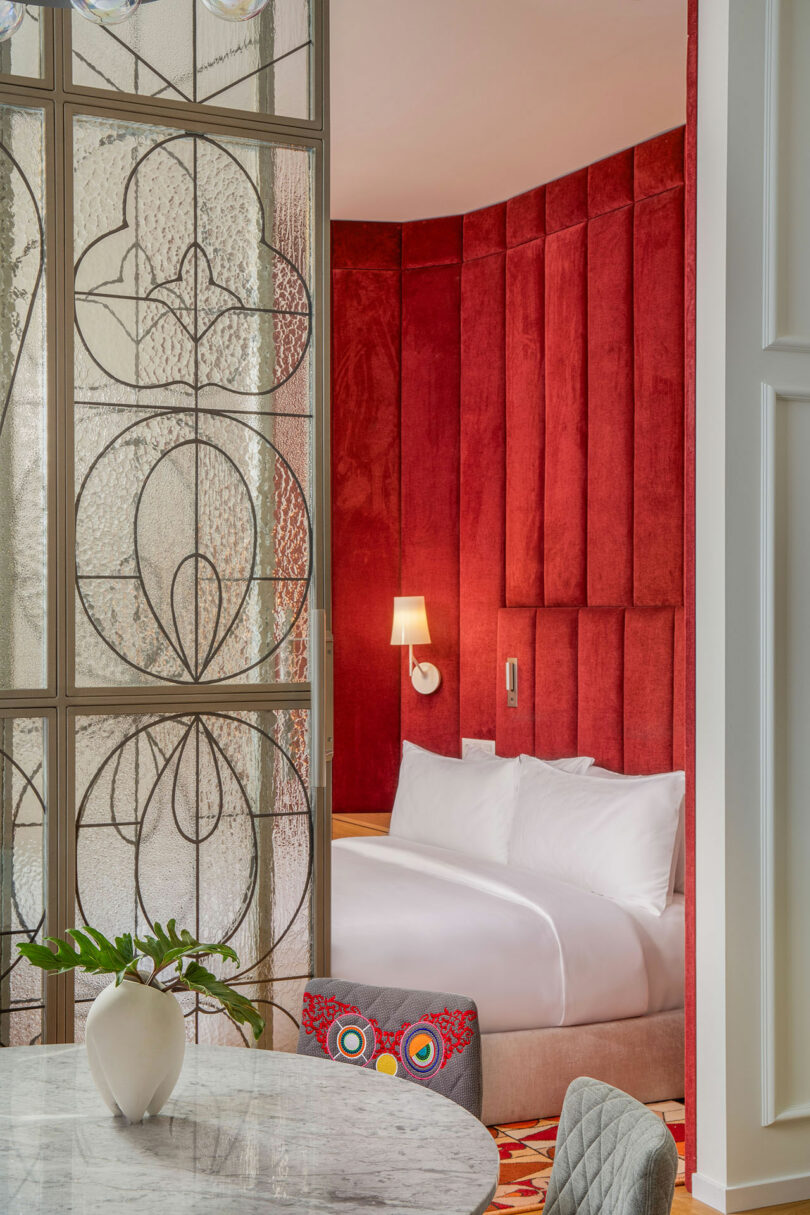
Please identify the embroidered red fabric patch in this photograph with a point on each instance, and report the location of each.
(454, 1026)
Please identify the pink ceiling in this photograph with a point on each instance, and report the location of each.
(442, 106)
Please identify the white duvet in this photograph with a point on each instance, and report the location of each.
(530, 950)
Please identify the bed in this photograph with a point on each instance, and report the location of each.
(567, 982)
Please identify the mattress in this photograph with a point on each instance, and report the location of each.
(531, 951)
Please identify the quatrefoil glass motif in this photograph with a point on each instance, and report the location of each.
(193, 534)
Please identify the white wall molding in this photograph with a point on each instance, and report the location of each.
(732, 1199)
(773, 1108)
(766, 798)
(770, 162)
(778, 163)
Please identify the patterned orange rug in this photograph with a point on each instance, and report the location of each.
(526, 1150)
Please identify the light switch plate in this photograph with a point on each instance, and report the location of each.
(511, 683)
(480, 744)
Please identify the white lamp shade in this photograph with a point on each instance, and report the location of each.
(410, 621)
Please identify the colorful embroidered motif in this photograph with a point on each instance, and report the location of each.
(351, 1037)
(424, 1046)
(422, 1050)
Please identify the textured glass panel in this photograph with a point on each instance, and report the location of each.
(179, 51)
(22, 876)
(21, 54)
(193, 380)
(205, 819)
(23, 397)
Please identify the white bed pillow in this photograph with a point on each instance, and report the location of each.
(616, 838)
(454, 804)
(574, 763)
(679, 872)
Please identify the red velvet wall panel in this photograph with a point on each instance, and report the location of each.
(565, 521)
(365, 532)
(485, 231)
(430, 491)
(659, 163)
(541, 463)
(600, 682)
(526, 217)
(659, 377)
(604, 681)
(610, 183)
(567, 201)
(649, 650)
(482, 489)
(690, 179)
(366, 246)
(432, 242)
(555, 683)
(525, 422)
(610, 407)
(679, 692)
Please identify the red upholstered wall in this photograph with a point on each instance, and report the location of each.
(690, 176)
(508, 432)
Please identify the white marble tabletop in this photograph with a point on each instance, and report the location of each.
(246, 1132)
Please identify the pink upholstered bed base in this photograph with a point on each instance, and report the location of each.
(527, 1072)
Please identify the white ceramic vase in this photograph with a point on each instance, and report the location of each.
(136, 1040)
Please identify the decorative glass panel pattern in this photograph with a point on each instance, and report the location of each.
(177, 50)
(23, 401)
(21, 55)
(204, 818)
(193, 383)
(22, 876)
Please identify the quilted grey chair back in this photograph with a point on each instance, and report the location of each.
(613, 1156)
(429, 1037)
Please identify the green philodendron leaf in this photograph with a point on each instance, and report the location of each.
(238, 1007)
(46, 959)
(98, 955)
(184, 940)
(166, 948)
(95, 954)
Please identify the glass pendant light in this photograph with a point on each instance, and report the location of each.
(106, 12)
(11, 16)
(236, 10)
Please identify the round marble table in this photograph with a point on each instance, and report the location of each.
(246, 1132)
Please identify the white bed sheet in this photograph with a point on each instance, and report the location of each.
(531, 951)
(662, 939)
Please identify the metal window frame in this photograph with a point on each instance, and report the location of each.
(60, 100)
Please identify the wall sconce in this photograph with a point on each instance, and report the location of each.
(410, 629)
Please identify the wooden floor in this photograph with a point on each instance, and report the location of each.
(685, 1204)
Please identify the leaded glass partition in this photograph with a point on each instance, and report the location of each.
(162, 505)
(23, 55)
(23, 401)
(193, 375)
(23, 877)
(205, 817)
(181, 52)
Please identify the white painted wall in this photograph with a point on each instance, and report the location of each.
(753, 604)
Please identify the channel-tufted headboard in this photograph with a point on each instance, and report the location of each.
(601, 681)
